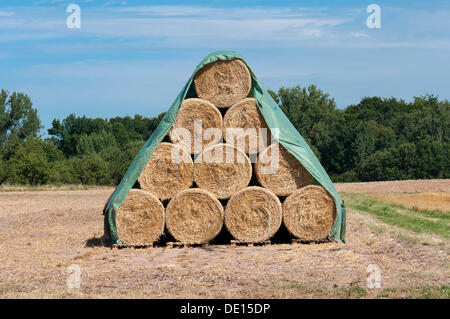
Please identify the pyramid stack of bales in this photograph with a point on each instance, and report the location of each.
(213, 182)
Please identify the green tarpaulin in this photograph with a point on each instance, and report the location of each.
(289, 137)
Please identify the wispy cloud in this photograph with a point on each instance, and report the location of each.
(178, 23)
(140, 56)
(183, 26)
(6, 14)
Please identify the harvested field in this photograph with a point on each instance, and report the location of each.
(420, 201)
(44, 232)
(407, 186)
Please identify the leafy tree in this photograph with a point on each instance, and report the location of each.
(89, 169)
(95, 142)
(119, 159)
(31, 163)
(364, 143)
(18, 121)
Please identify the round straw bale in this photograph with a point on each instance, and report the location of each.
(253, 214)
(194, 216)
(223, 83)
(283, 177)
(223, 170)
(140, 218)
(208, 117)
(169, 170)
(309, 213)
(244, 125)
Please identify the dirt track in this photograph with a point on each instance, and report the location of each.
(43, 232)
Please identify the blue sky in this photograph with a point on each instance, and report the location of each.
(133, 57)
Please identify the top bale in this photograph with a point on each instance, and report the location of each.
(223, 83)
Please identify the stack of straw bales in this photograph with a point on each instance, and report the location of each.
(194, 197)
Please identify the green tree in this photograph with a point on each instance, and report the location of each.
(18, 121)
(95, 142)
(32, 163)
(89, 169)
(363, 144)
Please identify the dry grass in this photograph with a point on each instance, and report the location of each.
(431, 222)
(140, 218)
(309, 213)
(164, 175)
(418, 201)
(53, 187)
(253, 214)
(223, 83)
(406, 186)
(41, 233)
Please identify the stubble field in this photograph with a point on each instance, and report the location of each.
(389, 224)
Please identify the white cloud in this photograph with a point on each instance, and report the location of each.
(206, 27)
(175, 23)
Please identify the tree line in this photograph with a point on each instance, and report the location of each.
(376, 139)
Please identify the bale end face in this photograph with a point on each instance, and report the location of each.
(197, 126)
(169, 170)
(223, 83)
(253, 214)
(223, 170)
(309, 213)
(245, 127)
(278, 170)
(140, 218)
(194, 216)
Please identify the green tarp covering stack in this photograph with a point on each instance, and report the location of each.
(281, 129)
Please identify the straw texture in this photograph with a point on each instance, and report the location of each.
(140, 218)
(194, 216)
(223, 170)
(207, 115)
(169, 170)
(223, 83)
(287, 177)
(245, 115)
(253, 214)
(309, 213)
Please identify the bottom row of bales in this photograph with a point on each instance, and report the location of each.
(253, 214)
